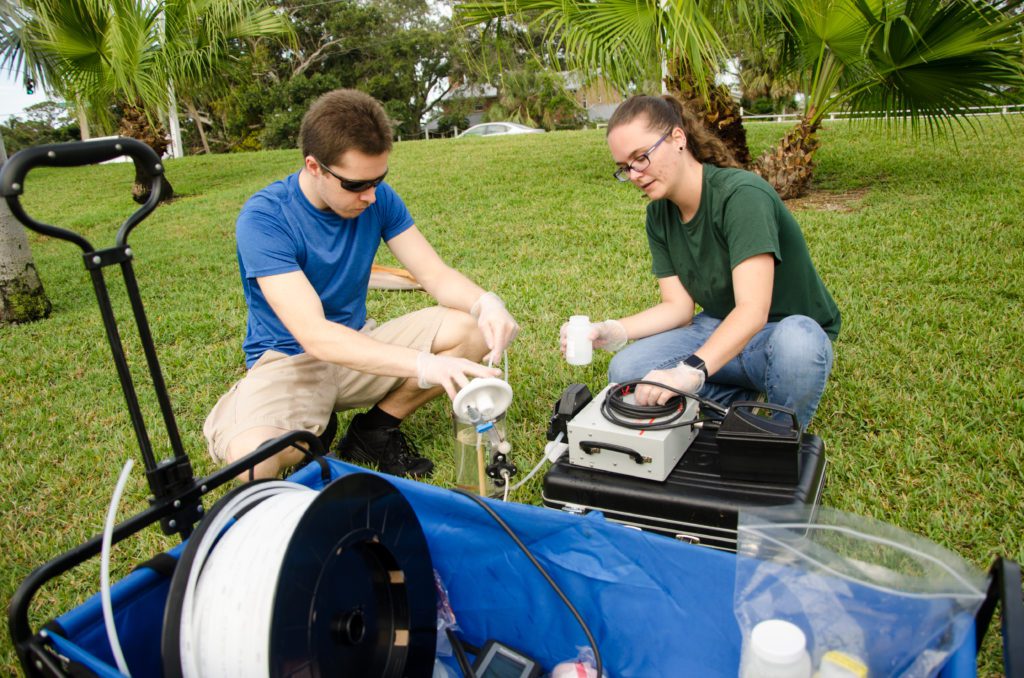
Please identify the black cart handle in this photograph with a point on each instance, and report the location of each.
(1005, 589)
(591, 447)
(75, 154)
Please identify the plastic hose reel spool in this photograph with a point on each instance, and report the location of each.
(489, 396)
(355, 595)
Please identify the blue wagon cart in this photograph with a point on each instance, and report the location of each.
(654, 606)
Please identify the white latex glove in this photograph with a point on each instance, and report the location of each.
(449, 372)
(608, 334)
(681, 377)
(496, 323)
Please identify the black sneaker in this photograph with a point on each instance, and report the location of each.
(386, 448)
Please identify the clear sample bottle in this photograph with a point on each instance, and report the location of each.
(578, 348)
(473, 452)
(775, 649)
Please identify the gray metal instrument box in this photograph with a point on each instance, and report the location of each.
(595, 442)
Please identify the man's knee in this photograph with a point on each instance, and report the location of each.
(247, 441)
(459, 335)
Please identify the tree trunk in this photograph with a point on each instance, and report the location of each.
(83, 120)
(721, 113)
(789, 165)
(137, 124)
(197, 118)
(22, 298)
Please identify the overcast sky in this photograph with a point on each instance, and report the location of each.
(13, 100)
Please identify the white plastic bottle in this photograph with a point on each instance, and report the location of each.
(776, 649)
(578, 348)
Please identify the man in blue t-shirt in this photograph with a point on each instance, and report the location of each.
(305, 248)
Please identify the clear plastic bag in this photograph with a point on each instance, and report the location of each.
(896, 601)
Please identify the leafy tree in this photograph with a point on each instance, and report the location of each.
(536, 97)
(202, 39)
(766, 84)
(395, 50)
(47, 122)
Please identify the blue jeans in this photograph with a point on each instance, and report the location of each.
(789, 361)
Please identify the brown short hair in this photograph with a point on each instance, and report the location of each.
(343, 120)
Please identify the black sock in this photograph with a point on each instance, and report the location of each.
(378, 418)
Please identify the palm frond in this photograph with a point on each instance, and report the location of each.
(625, 41)
(933, 61)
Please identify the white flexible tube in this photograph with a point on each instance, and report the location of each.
(490, 363)
(108, 532)
(529, 475)
(540, 463)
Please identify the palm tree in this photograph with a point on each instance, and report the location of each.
(22, 297)
(636, 44)
(124, 55)
(918, 62)
(535, 97)
(21, 292)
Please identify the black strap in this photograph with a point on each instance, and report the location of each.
(162, 563)
(1004, 588)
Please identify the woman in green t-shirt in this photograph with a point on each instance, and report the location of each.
(720, 238)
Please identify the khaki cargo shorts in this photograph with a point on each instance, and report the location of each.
(300, 392)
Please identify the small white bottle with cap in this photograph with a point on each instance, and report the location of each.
(776, 649)
(579, 350)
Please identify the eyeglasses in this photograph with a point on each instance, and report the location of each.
(354, 186)
(641, 163)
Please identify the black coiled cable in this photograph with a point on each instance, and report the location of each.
(615, 407)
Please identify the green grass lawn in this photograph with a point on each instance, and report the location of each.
(921, 243)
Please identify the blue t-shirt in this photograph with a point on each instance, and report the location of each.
(280, 231)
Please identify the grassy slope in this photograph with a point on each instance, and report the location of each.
(922, 417)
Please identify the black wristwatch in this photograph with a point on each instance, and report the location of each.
(693, 360)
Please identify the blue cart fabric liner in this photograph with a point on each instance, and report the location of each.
(656, 606)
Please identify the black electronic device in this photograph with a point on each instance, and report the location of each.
(574, 398)
(758, 448)
(497, 660)
(696, 503)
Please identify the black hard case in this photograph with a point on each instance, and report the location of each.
(694, 503)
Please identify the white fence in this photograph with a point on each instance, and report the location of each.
(868, 115)
(1007, 109)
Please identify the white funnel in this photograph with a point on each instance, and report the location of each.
(489, 396)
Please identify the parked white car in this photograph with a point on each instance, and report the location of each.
(490, 129)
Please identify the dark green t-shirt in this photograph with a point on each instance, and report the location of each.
(740, 216)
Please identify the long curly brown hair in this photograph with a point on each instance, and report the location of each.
(666, 112)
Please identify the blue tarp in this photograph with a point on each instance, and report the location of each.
(657, 607)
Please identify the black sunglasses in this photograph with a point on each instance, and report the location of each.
(351, 185)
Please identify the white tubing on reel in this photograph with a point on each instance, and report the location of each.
(229, 597)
